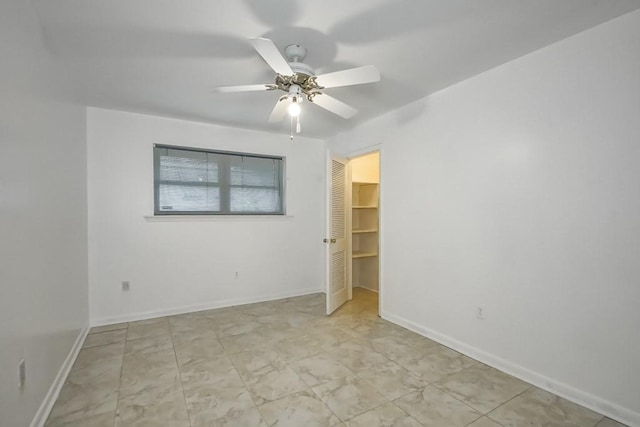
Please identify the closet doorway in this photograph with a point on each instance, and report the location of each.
(365, 226)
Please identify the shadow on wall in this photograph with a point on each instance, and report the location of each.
(123, 42)
(393, 18)
(411, 112)
(276, 13)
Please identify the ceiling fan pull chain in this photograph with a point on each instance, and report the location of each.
(291, 127)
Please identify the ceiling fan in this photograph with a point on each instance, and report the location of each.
(300, 82)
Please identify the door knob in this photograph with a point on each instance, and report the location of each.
(333, 240)
(325, 240)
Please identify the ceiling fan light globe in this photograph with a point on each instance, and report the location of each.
(294, 109)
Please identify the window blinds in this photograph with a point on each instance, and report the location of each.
(191, 181)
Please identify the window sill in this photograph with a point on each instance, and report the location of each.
(190, 218)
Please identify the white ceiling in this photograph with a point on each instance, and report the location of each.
(164, 56)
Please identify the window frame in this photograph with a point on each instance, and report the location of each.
(223, 183)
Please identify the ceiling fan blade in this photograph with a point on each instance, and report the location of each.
(244, 88)
(331, 104)
(271, 55)
(352, 76)
(279, 111)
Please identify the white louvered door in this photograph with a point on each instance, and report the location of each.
(339, 224)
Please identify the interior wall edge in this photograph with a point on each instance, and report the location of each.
(595, 403)
(54, 391)
(132, 317)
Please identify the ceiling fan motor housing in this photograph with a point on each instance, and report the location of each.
(300, 68)
(303, 75)
(295, 52)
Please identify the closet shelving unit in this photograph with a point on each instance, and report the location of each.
(364, 239)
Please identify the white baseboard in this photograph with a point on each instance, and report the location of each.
(595, 403)
(52, 395)
(131, 317)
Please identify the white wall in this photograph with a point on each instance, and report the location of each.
(518, 191)
(181, 265)
(43, 208)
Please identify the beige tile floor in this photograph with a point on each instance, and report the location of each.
(285, 363)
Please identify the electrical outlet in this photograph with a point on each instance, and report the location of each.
(125, 285)
(480, 313)
(22, 374)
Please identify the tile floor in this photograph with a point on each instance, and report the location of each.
(285, 363)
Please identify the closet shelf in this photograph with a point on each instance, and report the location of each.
(358, 254)
(365, 230)
(364, 207)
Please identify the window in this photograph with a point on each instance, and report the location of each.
(194, 181)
